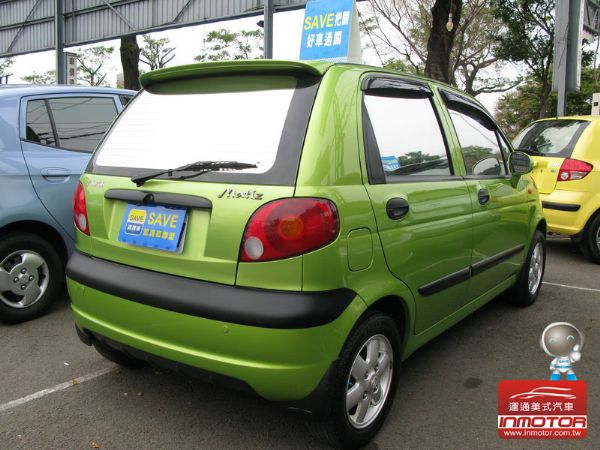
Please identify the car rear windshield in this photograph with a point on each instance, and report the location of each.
(250, 119)
(551, 137)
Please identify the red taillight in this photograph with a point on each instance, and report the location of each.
(573, 169)
(289, 227)
(80, 215)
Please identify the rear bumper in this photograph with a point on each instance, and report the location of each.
(313, 405)
(567, 212)
(280, 364)
(245, 306)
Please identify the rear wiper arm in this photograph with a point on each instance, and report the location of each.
(199, 167)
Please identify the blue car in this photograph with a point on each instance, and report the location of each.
(47, 136)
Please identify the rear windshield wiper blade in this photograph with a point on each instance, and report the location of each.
(530, 151)
(199, 167)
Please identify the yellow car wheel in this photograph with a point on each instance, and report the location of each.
(590, 242)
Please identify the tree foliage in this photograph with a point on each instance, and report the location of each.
(529, 40)
(515, 110)
(5, 64)
(223, 45)
(92, 62)
(48, 77)
(472, 63)
(156, 53)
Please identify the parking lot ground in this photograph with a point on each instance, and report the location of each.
(447, 396)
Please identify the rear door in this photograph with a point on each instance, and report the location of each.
(258, 119)
(58, 135)
(550, 142)
(500, 204)
(422, 206)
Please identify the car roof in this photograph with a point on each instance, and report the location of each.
(318, 68)
(19, 90)
(582, 117)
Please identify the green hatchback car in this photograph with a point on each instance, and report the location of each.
(298, 229)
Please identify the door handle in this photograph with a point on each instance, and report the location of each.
(55, 174)
(397, 208)
(483, 196)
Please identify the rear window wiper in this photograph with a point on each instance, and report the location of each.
(199, 167)
(530, 151)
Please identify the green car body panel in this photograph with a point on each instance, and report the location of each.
(381, 261)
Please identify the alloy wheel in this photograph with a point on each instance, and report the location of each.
(536, 268)
(369, 381)
(24, 278)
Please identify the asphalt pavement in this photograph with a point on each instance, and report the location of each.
(447, 396)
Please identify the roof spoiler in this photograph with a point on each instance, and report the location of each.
(316, 68)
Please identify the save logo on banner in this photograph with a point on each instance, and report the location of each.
(330, 31)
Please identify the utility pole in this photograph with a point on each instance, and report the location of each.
(268, 24)
(567, 50)
(59, 39)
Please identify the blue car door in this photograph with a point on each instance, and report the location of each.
(58, 135)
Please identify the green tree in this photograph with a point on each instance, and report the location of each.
(156, 53)
(48, 77)
(5, 64)
(416, 157)
(401, 30)
(529, 40)
(223, 45)
(516, 109)
(92, 65)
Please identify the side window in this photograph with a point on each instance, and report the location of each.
(81, 121)
(408, 136)
(38, 127)
(478, 142)
(125, 99)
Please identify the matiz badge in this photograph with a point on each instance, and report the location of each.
(233, 193)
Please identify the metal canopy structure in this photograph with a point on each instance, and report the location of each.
(591, 17)
(28, 26)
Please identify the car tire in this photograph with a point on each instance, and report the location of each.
(31, 276)
(527, 288)
(590, 242)
(117, 356)
(375, 388)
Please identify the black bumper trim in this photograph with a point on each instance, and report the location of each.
(561, 206)
(245, 306)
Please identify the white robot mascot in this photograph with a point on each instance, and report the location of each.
(563, 342)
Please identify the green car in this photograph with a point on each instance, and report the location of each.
(298, 229)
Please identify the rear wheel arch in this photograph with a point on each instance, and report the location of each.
(542, 226)
(588, 242)
(41, 229)
(395, 307)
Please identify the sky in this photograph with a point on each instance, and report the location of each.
(189, 43)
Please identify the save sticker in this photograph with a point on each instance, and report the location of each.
(157, 227)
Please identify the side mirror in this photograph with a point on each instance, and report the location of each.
(520, 163)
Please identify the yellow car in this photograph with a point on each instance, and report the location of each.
(567, 172)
